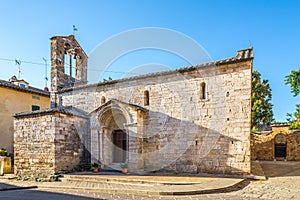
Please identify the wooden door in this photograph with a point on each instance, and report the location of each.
(120, 146)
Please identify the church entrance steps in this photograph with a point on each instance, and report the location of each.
(129, 179)
(113, 167)
(142, 185)
(147, 185)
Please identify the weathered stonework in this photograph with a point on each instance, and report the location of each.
(189, 120)
(179, 131)
(46, 143)
(65, 49)
(263, 144)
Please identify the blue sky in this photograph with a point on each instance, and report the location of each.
(221, 27)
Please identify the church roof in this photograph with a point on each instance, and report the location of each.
(115, 101)
(68, 110)
(242, 55)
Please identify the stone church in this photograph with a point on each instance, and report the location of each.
(187, 120)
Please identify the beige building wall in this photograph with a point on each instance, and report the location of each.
(13, 101)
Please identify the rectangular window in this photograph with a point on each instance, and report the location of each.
(34, 107)
(146, 98)
(36, 97)
(22, 85)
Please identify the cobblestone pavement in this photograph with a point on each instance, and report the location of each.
(283, 183)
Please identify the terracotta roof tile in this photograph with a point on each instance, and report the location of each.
(69, 110)
(29, 89)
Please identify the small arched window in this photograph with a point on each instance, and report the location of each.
(146, 98)
(202, 90)
(103, 100)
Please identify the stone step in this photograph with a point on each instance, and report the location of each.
(207, 186)
(121, 179)
(113, 166)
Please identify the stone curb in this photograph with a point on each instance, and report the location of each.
(131, 181)
(233, 187)
(257, 178)
(210, 191)
(19, 188)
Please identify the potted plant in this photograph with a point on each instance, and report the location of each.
(3, 152)
(95, 167)
(124, 167)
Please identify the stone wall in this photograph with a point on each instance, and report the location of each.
(182, 131)
(47, 143)
(69, 140)
(263, 143)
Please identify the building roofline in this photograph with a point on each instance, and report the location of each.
(242, 56)
(113, 101)
(70, 37)
(68, 110)
(281, 124)
(29, 89)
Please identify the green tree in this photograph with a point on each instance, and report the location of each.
(262, 112)
(294, 118)
(293, 79)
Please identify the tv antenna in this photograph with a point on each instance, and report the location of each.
(18, 62)
(46, 77)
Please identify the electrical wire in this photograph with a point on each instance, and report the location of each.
(66, 64)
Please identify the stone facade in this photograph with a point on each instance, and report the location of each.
(66, 54)
(278, 144)
(189, 120)
(48, 142)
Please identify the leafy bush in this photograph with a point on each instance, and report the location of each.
(3, 152)
(123, 165)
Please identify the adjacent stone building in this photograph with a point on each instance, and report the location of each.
(278, 144)
(47, 141)
(17, 96)
(194, 119)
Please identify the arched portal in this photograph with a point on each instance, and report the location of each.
(114, 135)
(280, 146)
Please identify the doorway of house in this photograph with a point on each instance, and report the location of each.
(280, 147)
(120, 146)
(280, 150)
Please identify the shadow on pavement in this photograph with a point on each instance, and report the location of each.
(37, 195)
(5, 186)
(280, 168)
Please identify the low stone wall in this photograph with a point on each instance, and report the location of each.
(48, 143)
(263, 144)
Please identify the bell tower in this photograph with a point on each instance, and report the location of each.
(68, 65)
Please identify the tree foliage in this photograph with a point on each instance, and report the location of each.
(294, 118)
(109, 79)
(262, 112)
(293, 79)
